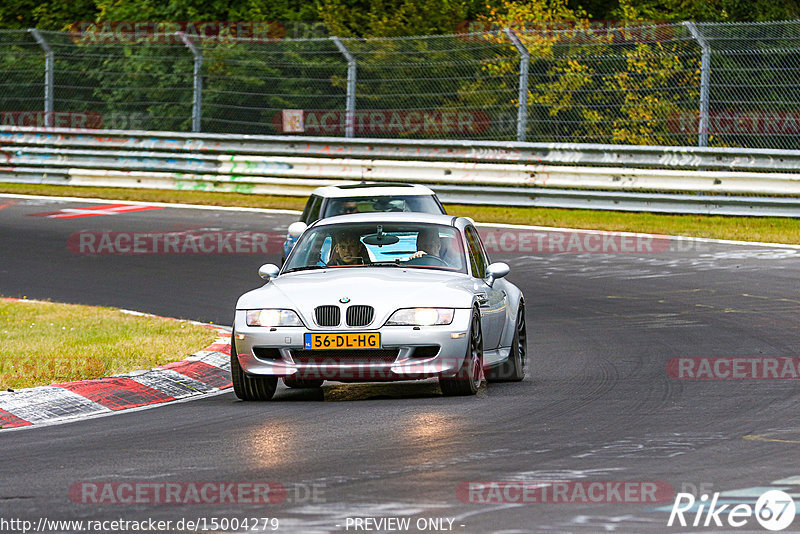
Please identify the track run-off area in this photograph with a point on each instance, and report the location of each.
(655, 367)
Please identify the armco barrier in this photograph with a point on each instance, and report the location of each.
(547, 175)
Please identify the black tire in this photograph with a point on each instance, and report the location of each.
(303, 383)
(468, 378)
(513, 369)
(250, 387)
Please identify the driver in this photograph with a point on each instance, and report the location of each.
(349, 250)
(429, 243)
(348, 207)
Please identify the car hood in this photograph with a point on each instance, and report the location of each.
(385, 288)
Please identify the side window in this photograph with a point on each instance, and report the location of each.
(325, 251)
(315, 252)
(477, 257)
(311, 211)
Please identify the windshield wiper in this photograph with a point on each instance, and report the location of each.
(306, 268)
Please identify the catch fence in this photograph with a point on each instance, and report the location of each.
(686, 84)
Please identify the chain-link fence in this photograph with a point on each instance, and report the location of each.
(672, 84)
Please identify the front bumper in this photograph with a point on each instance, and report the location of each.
(408, 353)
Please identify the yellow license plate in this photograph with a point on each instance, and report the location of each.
(348, 340)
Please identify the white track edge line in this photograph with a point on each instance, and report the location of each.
(641, 234)
(489, 225)
(159, 204)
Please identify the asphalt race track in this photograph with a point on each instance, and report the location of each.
(598, 406)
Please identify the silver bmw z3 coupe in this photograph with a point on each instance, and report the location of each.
(381, 297)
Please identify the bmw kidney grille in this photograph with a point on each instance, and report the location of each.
(356, 315)
(327, 315)
(359, 315)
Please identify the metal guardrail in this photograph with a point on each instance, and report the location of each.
(667, 157)
(492, 173)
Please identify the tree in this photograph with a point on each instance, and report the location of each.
(394, 18)
(45, 15)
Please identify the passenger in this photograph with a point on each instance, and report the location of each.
(349, 250)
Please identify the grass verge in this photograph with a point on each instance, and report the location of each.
(769, 229)
(765, 229)
(46, 343)
(159, 195)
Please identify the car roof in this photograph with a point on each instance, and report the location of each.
(386, 189)
(382, 216)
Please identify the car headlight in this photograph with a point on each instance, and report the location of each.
(421, 317)
(271, 317)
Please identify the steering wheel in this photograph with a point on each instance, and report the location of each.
(428, 259)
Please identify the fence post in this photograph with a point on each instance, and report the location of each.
(350, 113)
(49, 68)
(197, 91)
(705, 80)
(524, 63)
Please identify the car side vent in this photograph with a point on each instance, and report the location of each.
(327, 315)
(267, 353)
(358, 315)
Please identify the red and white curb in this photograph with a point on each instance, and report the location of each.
(203, 373)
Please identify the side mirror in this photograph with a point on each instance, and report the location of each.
(495, 271)
(296, 229)
(268, 271)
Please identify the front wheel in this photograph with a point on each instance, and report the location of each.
(513, 369)
(250, 387)
(468, 378)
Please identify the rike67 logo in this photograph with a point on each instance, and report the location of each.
(774, 510)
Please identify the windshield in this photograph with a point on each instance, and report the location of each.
(413, 203)
(418, 245)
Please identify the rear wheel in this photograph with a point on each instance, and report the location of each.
(468, 378)
(250, 387)
(303, 383)
(513, 369)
